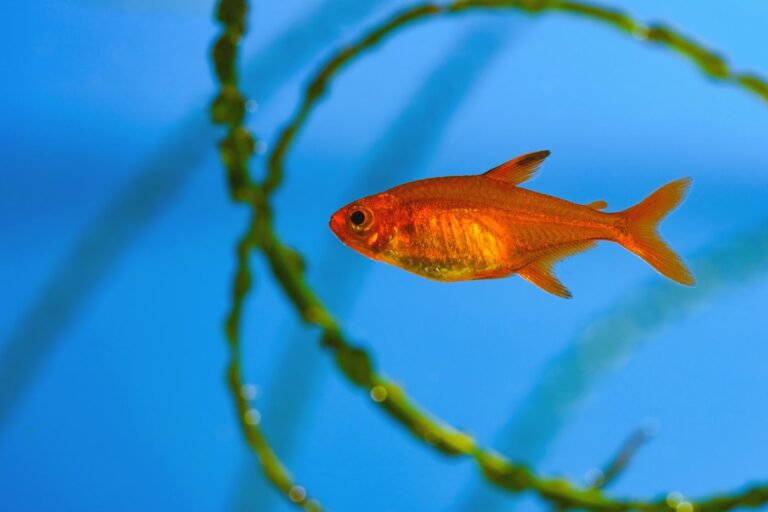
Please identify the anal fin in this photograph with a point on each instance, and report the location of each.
(541, 273)
(542, 276)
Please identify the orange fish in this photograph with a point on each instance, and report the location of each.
(462, 228)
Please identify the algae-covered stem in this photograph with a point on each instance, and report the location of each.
(355, 363)
(709, 62)
(236, 149)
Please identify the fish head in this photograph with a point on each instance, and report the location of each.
(366, 225)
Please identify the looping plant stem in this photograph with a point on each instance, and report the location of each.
(709, 62)
(359, 368)
(285, 264)
(236, 149)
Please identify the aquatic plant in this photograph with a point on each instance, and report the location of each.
(286, 265)
(151, 189)
(612, 337)
(417, 129)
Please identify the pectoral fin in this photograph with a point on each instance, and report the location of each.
(541, 274)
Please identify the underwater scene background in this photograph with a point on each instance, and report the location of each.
(119, 240)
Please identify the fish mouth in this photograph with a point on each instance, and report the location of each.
(336, 224)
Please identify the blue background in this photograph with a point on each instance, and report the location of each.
(117, 253)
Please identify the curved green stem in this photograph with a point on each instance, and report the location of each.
(709, 62)
(359, 368)
(354, 362)
(236, 149)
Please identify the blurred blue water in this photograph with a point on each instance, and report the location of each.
(130, 410)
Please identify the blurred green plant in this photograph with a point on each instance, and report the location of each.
(610, 472)
(286, 264)
(416, 130)
(236, 147)
(149, 190)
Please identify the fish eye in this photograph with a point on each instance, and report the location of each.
(360, 218)
(357, 217)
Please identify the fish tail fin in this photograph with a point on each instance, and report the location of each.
(640, 235)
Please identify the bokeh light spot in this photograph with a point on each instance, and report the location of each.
(594, 478)
(674, 499)
(297, 494)
(252, 417)
(249, 391)
(378, 393)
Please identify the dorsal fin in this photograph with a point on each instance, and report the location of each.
(518, 169)
(597, 205)
(541, 274)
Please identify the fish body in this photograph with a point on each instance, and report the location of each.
(485, 226)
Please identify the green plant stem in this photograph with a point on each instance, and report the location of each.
(236, 150)
(709, 62)
(359, 368)
(354, 362)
